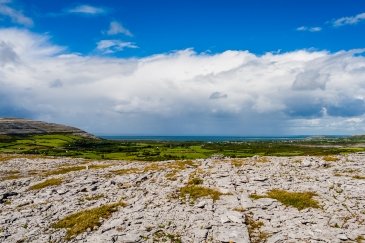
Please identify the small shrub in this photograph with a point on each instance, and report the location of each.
(47, 183)
(78, 223)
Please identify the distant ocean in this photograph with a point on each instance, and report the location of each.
(213, 138)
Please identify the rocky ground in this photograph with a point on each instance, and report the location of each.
(156, 212)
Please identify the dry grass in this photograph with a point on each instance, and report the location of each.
(254, 230)
(80, 222)
(99, 166)
(299, 200)
(172, 168)
(65, 170)
(239, 209)
(238, 162)
(11, 177)
(330, 158)
(262, 159)
(194, 190)
(359, 177)
(46, 183)
(161, 236)
(127, 171)
(360, 239)
(94, 197)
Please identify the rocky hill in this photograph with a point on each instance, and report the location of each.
(17, 126)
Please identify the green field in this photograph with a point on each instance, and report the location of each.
(75, 146)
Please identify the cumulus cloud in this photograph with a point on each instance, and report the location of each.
(112, 46)
(351, 20)
(184, 92)
(309, 29)
(116, 28)
(15, 16)
(86, 9)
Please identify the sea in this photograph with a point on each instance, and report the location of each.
(217, 138)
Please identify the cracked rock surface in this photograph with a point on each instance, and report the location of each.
(154, 212)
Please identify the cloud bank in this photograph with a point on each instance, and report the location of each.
(183, 92)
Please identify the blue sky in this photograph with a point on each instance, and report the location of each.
(163, 25)
(188, 67)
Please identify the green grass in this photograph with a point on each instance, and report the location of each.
(79, 222)
(299, 200)
(46, 183)
(98, 149)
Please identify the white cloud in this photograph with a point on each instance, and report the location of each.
(351, 20)
(183, 92)
(117, 28)
(309, 29)
(87, 9)
(112, 46)
(15, 15)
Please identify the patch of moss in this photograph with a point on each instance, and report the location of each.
(299, 200)
(79, 222)
(47, 183)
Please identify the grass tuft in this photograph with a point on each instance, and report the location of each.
(47, 183)
(254, 230)
(126, 171)
(330, 158)
(299, 200)
(65, 170)
(79, 222)
(196, 192)
(359, 177)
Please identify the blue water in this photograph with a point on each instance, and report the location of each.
(212, 138)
